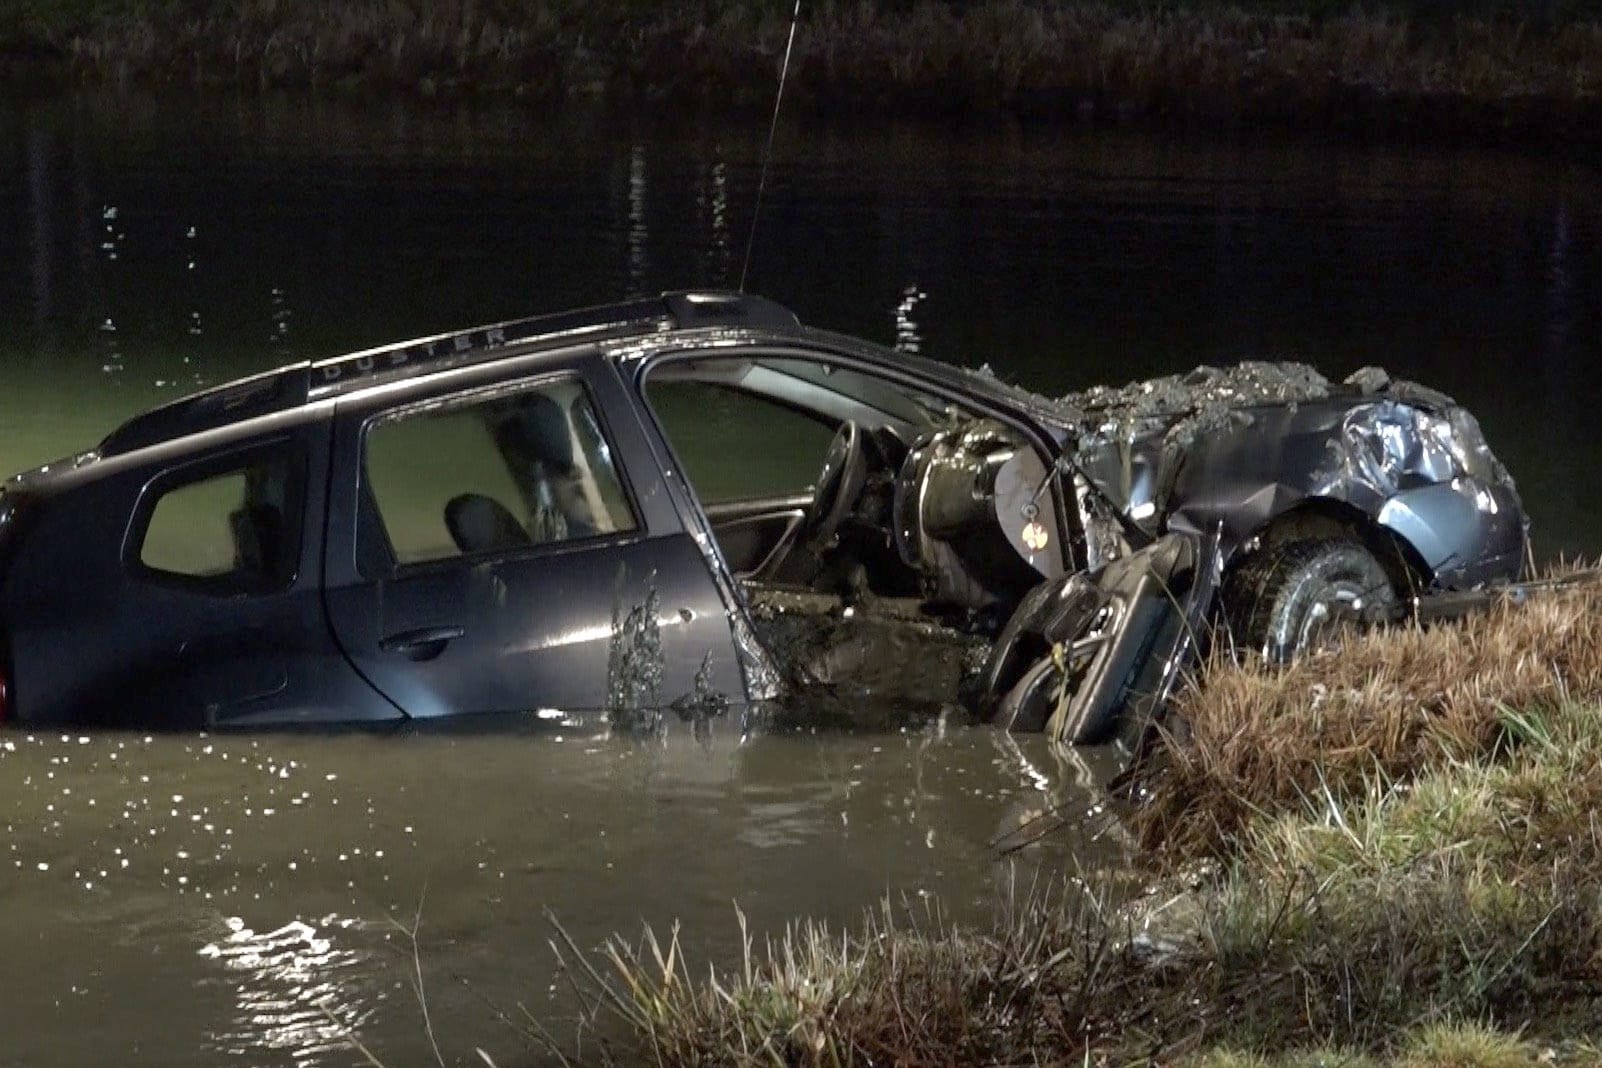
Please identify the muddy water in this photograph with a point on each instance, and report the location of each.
(194, 901)
(184, 901)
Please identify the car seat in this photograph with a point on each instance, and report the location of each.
(480, 524)
(258, 534)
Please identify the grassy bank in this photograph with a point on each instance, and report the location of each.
(1389, 856)
(1488, 66)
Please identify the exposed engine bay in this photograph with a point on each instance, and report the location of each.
(899, 608)
(928, 560)
(938, 520)
(974, 516)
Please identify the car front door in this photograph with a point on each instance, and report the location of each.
(502, 544)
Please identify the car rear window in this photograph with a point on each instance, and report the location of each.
(497, 473)
(230, 524)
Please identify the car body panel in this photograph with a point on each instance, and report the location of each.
(118, 647)
(529, 630)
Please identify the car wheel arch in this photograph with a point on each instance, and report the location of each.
(1327, 517)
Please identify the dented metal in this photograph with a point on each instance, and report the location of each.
(1177, 477)
(1238, 448)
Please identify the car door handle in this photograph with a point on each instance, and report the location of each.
(424, 643)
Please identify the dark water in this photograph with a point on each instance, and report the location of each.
(202, 901)
(215, 900)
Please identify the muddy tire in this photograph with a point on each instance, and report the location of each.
(1296, 597)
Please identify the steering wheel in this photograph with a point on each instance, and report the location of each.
(845, 470)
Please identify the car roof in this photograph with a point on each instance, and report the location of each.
(679, 319)
(297, 385)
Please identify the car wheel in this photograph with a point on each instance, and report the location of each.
(1296, 597)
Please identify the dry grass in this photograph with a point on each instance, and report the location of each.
(1362, 64)
(905, 988)
(1386, 706)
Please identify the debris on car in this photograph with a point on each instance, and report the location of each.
(693, 502)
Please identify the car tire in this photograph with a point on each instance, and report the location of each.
(1293, 598)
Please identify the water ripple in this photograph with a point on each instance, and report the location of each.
(296, 991)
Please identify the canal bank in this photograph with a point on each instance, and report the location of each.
(1387, 855)
(1488, 71)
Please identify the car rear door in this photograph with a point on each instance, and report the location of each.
(489, 529)
(190, 586)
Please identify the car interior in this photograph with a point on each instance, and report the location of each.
(489, 475)
(842, 496)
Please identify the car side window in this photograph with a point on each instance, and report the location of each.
(738, 446)
(229, 526)
(491, 474)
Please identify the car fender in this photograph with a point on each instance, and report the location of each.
(1423, 475)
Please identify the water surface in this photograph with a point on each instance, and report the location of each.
(151, 249)
(208, 900)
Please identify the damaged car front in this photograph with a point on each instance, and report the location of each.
(1262, 504)
(1060, 564)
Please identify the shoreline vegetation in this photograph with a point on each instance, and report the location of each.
(1497, 69)
(1389, 855)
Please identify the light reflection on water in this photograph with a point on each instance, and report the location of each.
(296, 990)
(909, 338)
(172, 245)
(176, 245)
(250, 880)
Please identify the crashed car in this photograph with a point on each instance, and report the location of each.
(694, 501)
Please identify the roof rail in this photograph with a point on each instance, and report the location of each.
(263, 394)
(293, 386)
(676, 310)
(722, 308)
(470, 346)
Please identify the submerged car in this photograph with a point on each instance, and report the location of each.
(695, 499)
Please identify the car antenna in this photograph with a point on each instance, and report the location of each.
(767, 154)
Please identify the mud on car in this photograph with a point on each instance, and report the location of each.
(693, 499)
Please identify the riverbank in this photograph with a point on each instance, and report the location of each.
(1388, 856)
(1491, 69)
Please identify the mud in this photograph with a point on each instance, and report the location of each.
(703, 703)
(1184, 407)
(634, 667)
(858, 663)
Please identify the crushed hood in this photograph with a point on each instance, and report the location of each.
(1180, 408)
(1234, 445)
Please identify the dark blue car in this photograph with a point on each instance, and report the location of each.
(693, 499)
